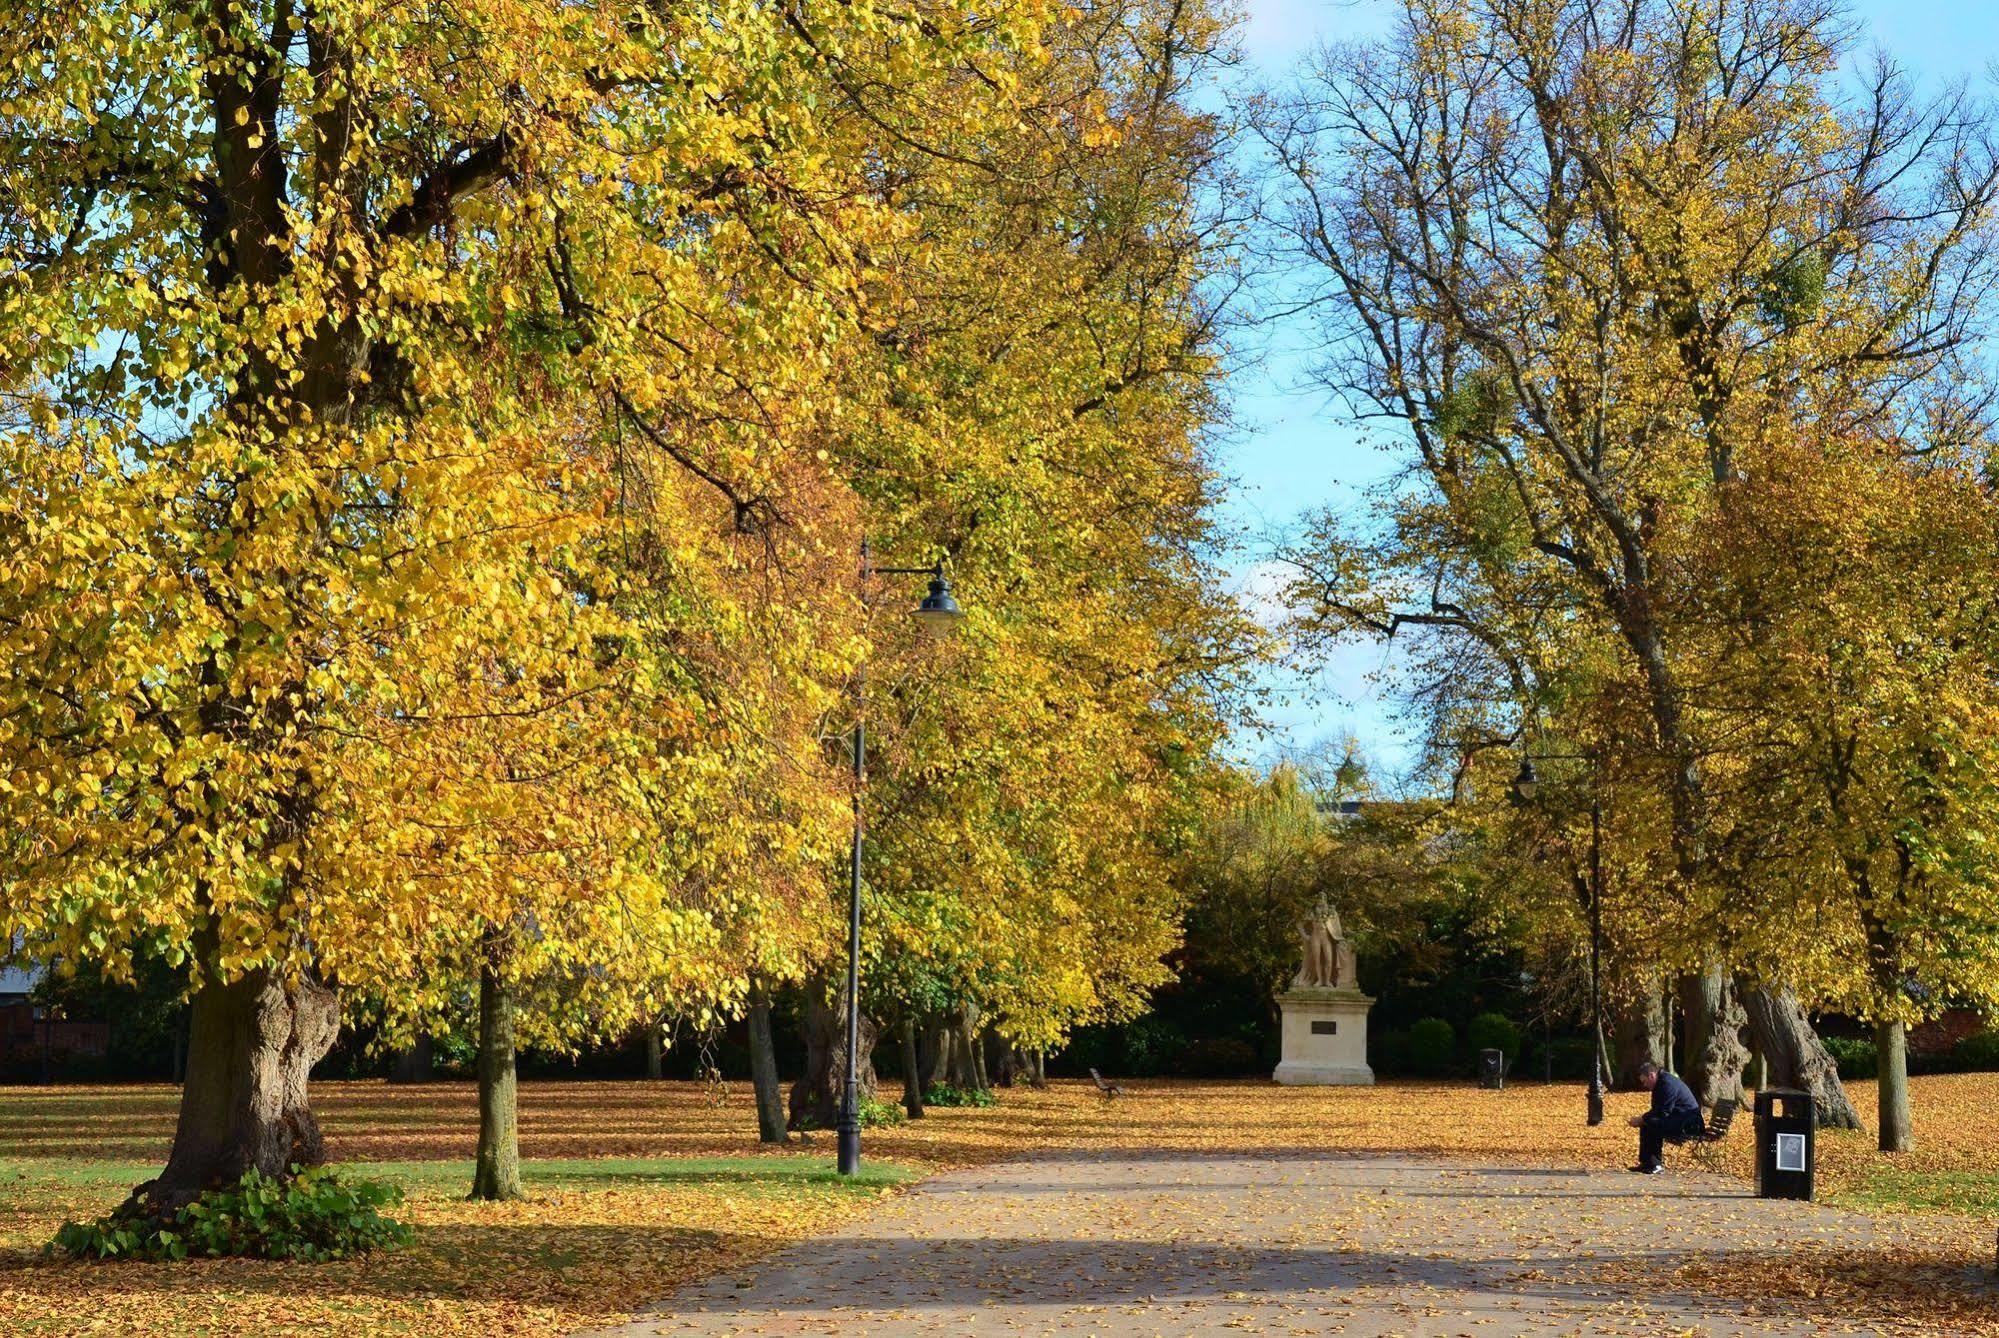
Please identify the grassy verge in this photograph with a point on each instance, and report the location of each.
(594, 1239)
(1973, 1193)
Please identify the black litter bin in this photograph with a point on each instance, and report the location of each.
(1786, 1143)
(1492, 1069)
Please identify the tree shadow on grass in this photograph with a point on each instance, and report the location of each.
(609, 1266)
(523, 1263)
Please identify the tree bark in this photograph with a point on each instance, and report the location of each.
(1642, 1035)
(1000, 1060)
(497, 1173)
(1037, 1069)
(815, 1098)
(1714, 1051)
(912, 1071)
(958, 1060)
(763, 1073)
(1891, 1046)
(934, 1054)
(968, 1061)
(251, 1046)
(178, 1069)
(1793, 1054)
(655, 1052)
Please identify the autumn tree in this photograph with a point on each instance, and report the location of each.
(1580, 259)
(1860, 640)
(1029, 778)
(302, 303)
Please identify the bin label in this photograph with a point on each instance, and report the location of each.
(1790, 1152)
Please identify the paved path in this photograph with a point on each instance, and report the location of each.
(1176, 1243)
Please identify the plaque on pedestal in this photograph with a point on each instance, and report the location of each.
(1324, 1038)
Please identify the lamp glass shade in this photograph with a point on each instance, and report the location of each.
(1527, 783)
(939, 612)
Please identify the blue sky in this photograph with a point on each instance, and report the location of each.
(1290, 451)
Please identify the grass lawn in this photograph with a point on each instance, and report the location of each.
(634, 1187)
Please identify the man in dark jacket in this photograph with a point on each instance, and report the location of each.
(1674, 1114)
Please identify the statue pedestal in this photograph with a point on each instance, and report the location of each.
(1324, 1038)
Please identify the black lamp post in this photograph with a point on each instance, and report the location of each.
(939, 613)
(1526, 788)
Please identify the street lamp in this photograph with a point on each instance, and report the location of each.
(938, 614)
(1526, 788)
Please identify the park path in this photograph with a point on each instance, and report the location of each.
(1174, 1242)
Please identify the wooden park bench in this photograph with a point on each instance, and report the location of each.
(1109, 1089)
(1718, 1121)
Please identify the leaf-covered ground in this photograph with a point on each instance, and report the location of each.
(635, 1187)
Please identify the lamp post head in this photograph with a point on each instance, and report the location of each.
(939, 612)
(1527, 784)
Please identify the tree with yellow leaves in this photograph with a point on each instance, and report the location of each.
(1582, 259)
(1031, 781)
(305, 577)
(1858, 631)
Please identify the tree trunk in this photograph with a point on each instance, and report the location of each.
(815, 1098)
(416, 1064)
(1714, 1051)
(958, 1069)
(1794, 1055)
(969, 1062)
(243, 1104)
(934, 1054)
(1891, 1046)
(1642, 1035)
(912, 1071)
(1037, 1069)
(763, 1073)
(497, 1174)
(1000, 1062)
(655, 1053)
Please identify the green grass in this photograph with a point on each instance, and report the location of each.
(772, 1174)
(1972, 1192)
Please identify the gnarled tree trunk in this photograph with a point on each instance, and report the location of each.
(1793, 1054)
(497, 1172)
(1001, 1059)
(1714, 1052)
(763, 1073)
(1643, 1035)
(815, 1098)
(251, 1046)
(934, 1054)
(968, 1059)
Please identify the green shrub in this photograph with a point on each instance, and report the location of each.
(1976, 1054)
(1151, 1044)
(945, 1094)
(1857, 1058)
(1494, 1031)
(876, 1113)
(1433, 1046)
(316, 1215)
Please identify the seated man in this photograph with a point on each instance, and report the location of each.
(1674, 1114)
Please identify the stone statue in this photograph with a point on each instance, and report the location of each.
(1329, 958)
